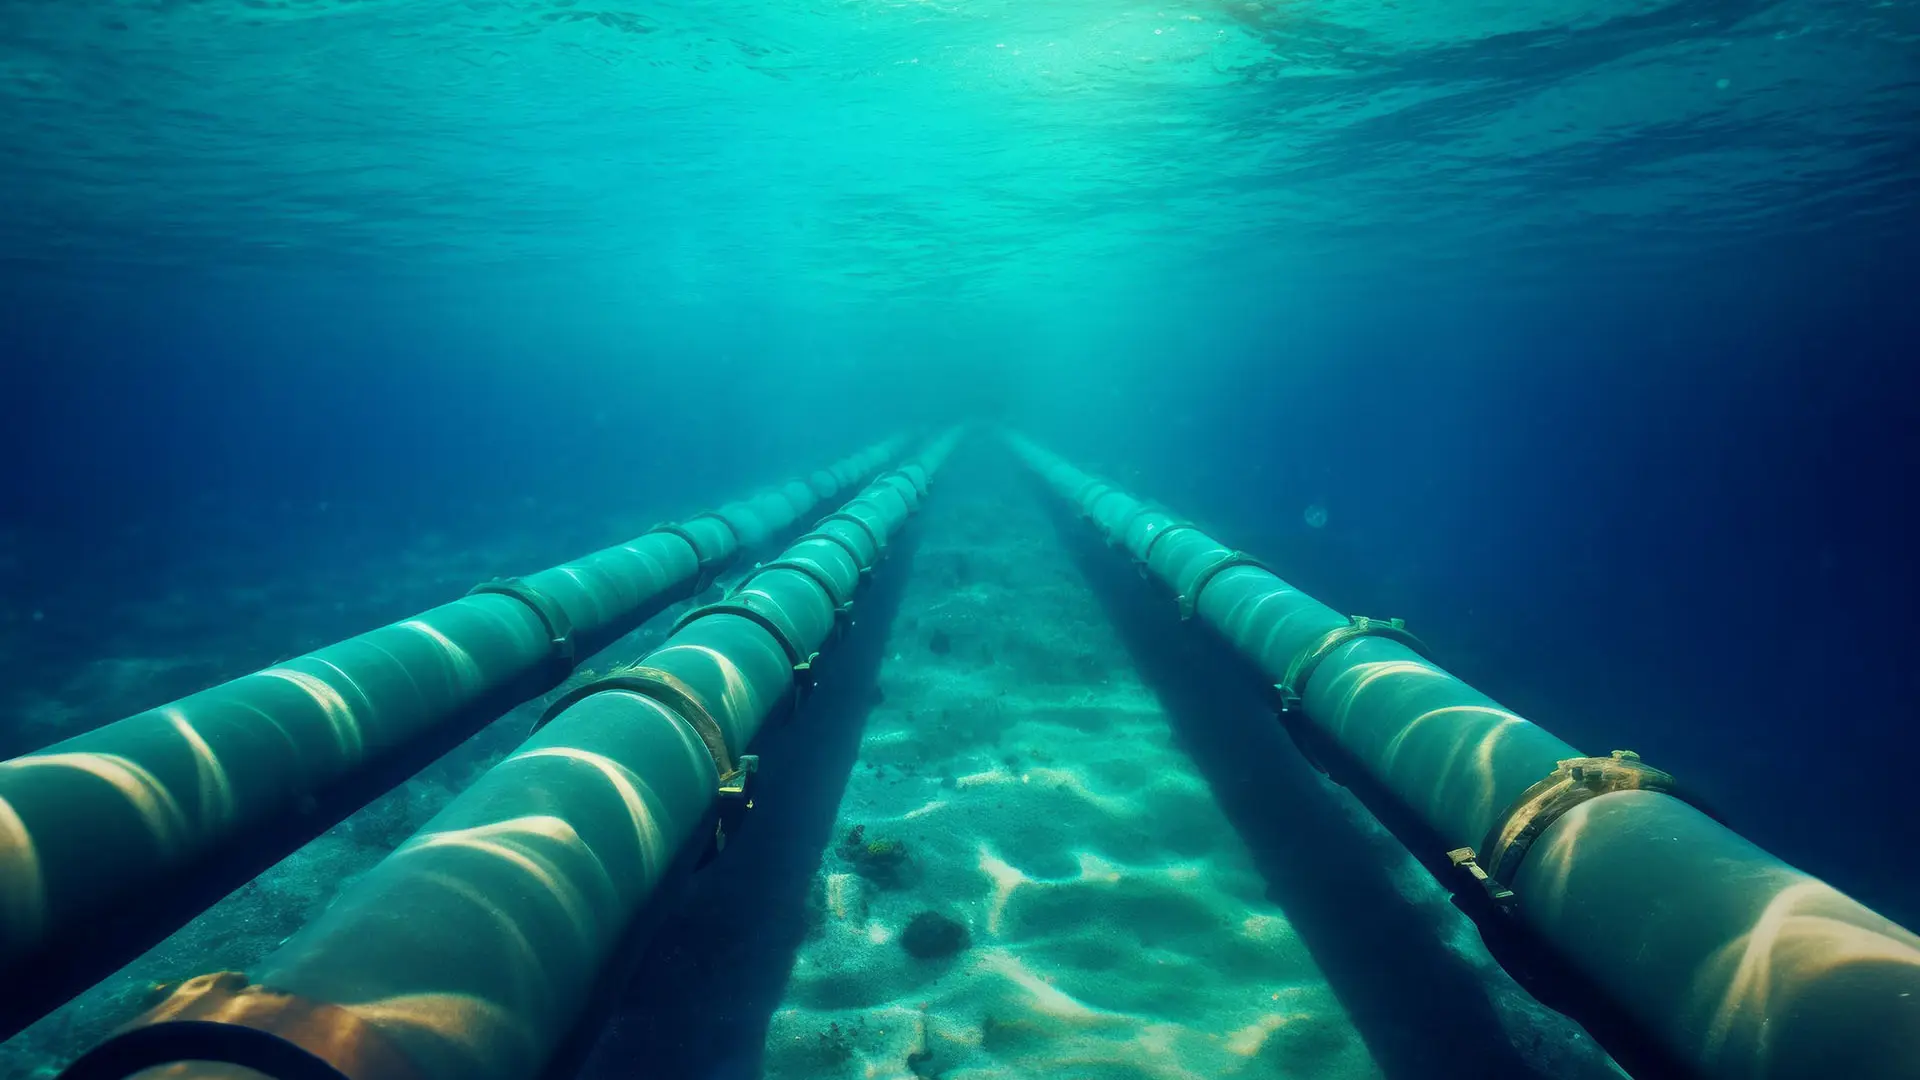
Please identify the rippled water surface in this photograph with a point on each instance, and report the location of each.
(944, 147)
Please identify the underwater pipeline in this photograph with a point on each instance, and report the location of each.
(486, 944)
(115, 838)
(1682, 946)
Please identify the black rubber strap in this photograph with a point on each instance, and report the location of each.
(664, 687)
(138, 1049)
(1190, 600)
(552, 616)
(221, 1018)
(750, 613)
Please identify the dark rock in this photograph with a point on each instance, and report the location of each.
(931, 934)
(940, 642)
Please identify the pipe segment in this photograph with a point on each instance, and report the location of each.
(112, 839)
(483, 946)
(1725, 960)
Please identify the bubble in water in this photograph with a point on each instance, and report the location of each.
(1316, 516)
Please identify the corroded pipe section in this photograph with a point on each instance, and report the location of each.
(112, 839)
(1733, 963)
(480, 947)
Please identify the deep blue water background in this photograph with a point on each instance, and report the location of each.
(1678, 523)
(1675, 522)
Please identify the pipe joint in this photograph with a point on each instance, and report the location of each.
(552, 616)
(736, 775)
(811, 570)
(742, 607)
(1572, 782)
(1190, 600)
(710, 565)
(874, 535)
(1303, 666)
(1146, 553)
(1287, 692)
(671, 691)
(864, 568)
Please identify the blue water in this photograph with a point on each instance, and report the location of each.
(1589, 326)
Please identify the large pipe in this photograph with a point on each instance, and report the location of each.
(482, 947)
(111, 840)
(1692, 944)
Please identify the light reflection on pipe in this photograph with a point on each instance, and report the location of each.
(340, 718)
(216, 791)
(460, 1019)
(737, 692)
(23, 888)
(466, 671)
(1805, 934)
(628, 786)
(1364, 675)
(150, 799)
(529, 958)
(513, 841)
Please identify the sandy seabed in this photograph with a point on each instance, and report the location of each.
(1022, 782)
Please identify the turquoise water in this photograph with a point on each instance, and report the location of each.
(826, 155)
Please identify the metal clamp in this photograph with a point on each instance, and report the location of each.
(552, 616)
(1146, 554)
(1302, 668)
(1286, 693)
(1464, 860)
(736, 798)
(802, 664)
(670, 690)
(1572, 782)
(865, 571)
(879, 543)
(709, 566)
(1190, 600)
(811, 570)
(746, 611)
(675, 529)
(732, 529)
